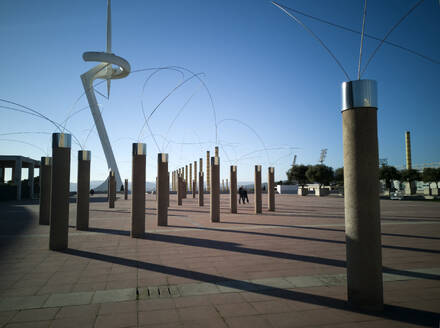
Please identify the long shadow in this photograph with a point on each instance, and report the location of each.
(111, 211)
(188, 210)
(331, 241)
(391, 312)
(98, 199)
(235, 247)
(327, 229)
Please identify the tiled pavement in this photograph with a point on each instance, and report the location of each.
(281, 269)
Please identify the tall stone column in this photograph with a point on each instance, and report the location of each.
(112, 189)
(162, 189)
(195, 174)
(126, 189)
(31, 180)
(83, 188)
(138, 190)
(16, 176)
(59, 211)
(179, 189)
(2, 174)
(208, 172)
(271, 189)
(201, 190)
(233, 193)
(190, 181)
(361, 183)
(257, 190)
(215, 189)
(45, 188)
(186, 177)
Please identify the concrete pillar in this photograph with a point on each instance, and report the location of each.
(2, 175)
(257, 190)
(179, 189)
(361, 184)
(186, 178)
(83, 188)
(227, 185)
(16, 176)
(59, 205)
(194, 188)
(223, 185)
(45, 188)
(112, 189)
(31, 180)
(233, 193)
(215, 189)
(271, 189)
(162, 188)
(138, 190)
(201, 190)
(126, 189)
(195, 174)
(208, 172)
(190, 181)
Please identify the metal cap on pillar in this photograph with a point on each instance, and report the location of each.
(61, 140)
(359, 94)
(84, 155)
(139, 148)
(46, 161)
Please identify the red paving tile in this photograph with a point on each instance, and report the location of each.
(305, 236)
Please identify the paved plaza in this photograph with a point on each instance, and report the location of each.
(277, 269)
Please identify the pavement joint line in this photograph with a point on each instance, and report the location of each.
(249, 227)
(192, 289)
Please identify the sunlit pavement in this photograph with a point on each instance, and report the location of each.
(278, 269)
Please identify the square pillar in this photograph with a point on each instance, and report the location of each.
(16, 176)
(162, 189)
(271, 189)
(45, 189)
(138, 190)
(257, 190)
(215, 189)
(83, 190)
(233, 189)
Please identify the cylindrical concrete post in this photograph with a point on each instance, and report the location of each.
(201, 190)
(271, 189)
(83, 188)
(45, 188)
(257, 190)
(233, 189)
(179, 189)
(59, 205)
(208, 172)
(138, 190)
(126, 189)
(190, 177)
(215, 189)
(162, 189)
(361, 183)
(112, 189)
(195, 174)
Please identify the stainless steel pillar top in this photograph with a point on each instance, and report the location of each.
(234, 168)
(359, 94)
(215, 161)
(84, 155)
(111, 173)
(61, 140)
(271, 169)
(46, 161)
(258, 168)
(139, 148)
(163, 157)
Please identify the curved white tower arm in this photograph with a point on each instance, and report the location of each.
(104, 70)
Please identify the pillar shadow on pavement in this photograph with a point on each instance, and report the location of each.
(391, 312)
(235, 247)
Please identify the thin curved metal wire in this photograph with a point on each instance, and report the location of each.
(26, 143)
(314, 35)
(204, 85)
(390, 31)
(250, 128)
(34, 112)
(25, 132)
(362, 40)
(345, 28)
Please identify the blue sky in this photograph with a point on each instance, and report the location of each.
(261, 67)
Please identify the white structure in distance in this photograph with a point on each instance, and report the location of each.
(104, 70)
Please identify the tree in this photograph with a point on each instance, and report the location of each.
(430, 175)
(320, 173)
(298, 173)
(339, 176)
(389, 174)
(410, 175)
